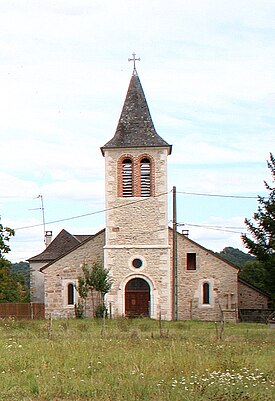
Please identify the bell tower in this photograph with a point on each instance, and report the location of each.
(137, 251)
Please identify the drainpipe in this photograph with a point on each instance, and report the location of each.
(175, 256)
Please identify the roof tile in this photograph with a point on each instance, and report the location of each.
(135, 127)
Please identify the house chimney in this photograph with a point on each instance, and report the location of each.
(48, 238)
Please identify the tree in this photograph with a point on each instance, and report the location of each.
(96, 280)
(22, 268)
(12, 285)
(235, 256)
(254, 273)
(262, 229)
(5, 234)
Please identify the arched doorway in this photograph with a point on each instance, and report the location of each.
(137, 297)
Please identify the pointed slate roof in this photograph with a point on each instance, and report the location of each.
(61, 244)
(135, 126)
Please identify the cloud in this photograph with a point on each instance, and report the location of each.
(75, 190)
(14, 187)
(208, 74)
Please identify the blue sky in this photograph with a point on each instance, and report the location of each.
(207, 70)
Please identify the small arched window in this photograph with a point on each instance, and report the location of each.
(145, 177)
(127, 178)
(70, 294)
(206, 293)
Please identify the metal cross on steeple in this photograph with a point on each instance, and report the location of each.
(134, 59)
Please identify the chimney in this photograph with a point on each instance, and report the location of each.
(48, 238)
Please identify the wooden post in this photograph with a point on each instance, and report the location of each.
(175, 256)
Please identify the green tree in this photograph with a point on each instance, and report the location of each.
(12, 285)
(235, 256)
(95, 279)
(254, 273)
(22, 268)
(262, 229)
(5, 234)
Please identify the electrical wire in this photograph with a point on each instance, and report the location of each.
(134, 202)
(214, 228)
(217, 195)
(91, 213)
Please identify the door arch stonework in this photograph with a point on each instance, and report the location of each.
(137, 297)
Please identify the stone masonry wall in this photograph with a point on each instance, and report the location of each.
(67, 270)
(136, 227)
(136, 220)
(250, 298)
(154, 271)
(222, 278)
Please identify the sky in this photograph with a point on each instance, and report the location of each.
(207, 70)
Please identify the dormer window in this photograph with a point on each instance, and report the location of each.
(145, 177)
(127, 178)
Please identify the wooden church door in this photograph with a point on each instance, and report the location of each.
(137, 298)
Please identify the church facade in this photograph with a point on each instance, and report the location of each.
(136, 245)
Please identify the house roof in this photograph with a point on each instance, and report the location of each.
(68, 251)
(61, 244)
(135, 126)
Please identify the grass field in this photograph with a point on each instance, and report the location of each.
(135, 360)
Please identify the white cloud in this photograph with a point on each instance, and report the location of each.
(14, 187)
(72, 189)
(207, 71)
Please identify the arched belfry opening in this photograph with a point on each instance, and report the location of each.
(137, 298)
(145, 177)
(127, 177)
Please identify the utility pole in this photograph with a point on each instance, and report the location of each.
(43, 216)
(175, 255)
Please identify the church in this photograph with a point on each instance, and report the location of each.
(155, 270)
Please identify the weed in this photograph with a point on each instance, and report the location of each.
(133, 361)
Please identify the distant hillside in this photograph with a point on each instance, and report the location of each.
(22, 268)
(235, 256)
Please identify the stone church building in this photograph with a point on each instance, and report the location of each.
(136, 245)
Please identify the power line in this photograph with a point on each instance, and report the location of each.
(216, 228)
(133, 202)
(217, 195)
(91, 213)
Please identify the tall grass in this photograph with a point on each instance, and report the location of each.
(135, 361)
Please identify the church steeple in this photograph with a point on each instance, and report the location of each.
(137, 250)
(135, 126)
